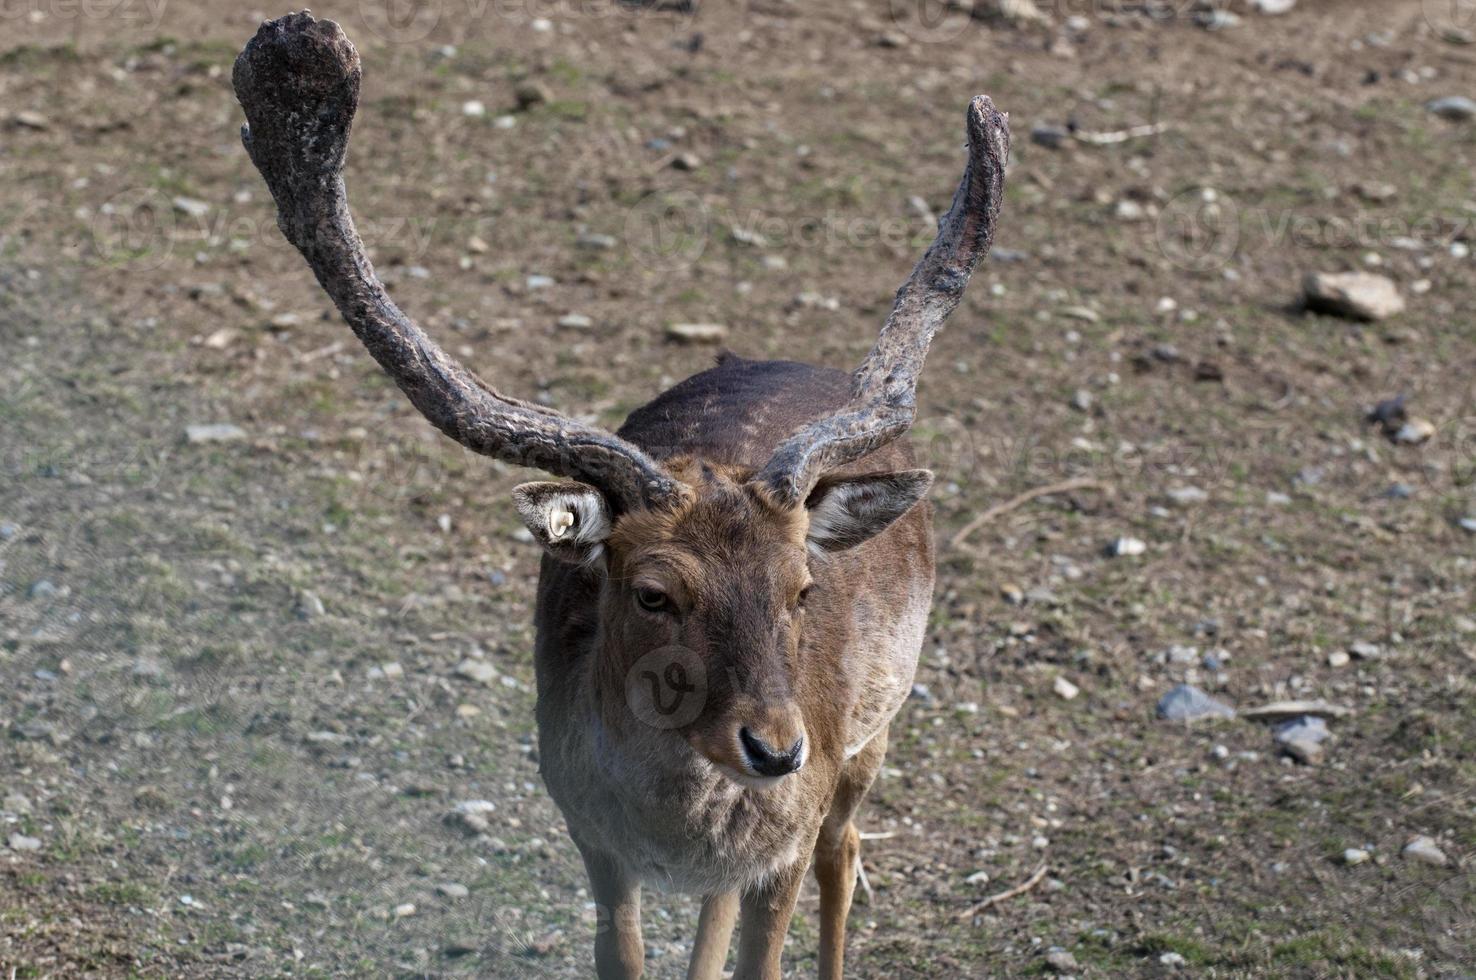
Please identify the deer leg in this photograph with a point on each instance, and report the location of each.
(767, 909)
(837, 854)
(619, 952)
(714, 932)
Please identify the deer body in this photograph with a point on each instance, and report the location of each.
(638, 793)
(736, 584)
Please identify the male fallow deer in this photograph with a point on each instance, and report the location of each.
(736, 585)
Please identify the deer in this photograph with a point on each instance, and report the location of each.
(734, 586)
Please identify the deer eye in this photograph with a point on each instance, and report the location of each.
(652, 600)
(804, 596)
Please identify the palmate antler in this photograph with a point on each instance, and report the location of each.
(298, 80)
(884, 392)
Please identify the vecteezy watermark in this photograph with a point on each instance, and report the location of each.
(667, 231)
(1202, 229)
(1453, 18)
(667, 688)
(130, 13)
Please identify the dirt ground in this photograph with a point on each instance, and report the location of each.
(236, 708)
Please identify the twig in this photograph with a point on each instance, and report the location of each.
(1008, 893)
(1080, 483)
(1110, 137)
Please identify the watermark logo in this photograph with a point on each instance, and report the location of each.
(134, 228)
(1453, 18)
(668, 231)
(929, 21)
(400, 21)
(667, 688)
(1199, 230)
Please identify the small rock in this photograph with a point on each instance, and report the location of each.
(392, 671)
(452, 890)
(1456, 108)
(1187, 496)
(20, 842)
(1065, 689)
(891, 40)
(1188, 703)
(148, 668)
(1354, 856)
(477, 670)
(27, 119)
(16, 804)
(1358, 295)
(530, 94)
(1364, 650)
(43, 589)
(1082, 400)
(8, 531)
(190, 206)
(1050, 135)
(309, 606)
(600, 243)
(1172, 960)
(977, 878)
(921, 693)
(473, 108)
(686, 161)
(404, 910)
(471, 816)
(1273, 7)
(1467, 524)
(456, 948)
(1306, 752)
(1083, 313)
(575, 321)
(1426, 851)
(1062, 961)
(1129, 210)
(1337, 658)
(1126, 548)
(1283, 710)
(697, 333)
(197, 435)
(537, 281)
(1217, 19)
(1414, 432)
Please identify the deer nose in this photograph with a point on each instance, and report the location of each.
(765, 760)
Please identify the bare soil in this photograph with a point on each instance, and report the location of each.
(225, 780)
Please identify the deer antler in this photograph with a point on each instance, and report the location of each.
(883, 395)
(298, 80)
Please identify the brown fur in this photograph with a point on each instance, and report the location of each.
(661, 807)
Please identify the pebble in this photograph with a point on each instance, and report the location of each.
(1172, 960)
(575, 321)
(1356, 295)
(8, 531)
(190, 206)
(1354, 855)
(1468, 524)
(1126, 548)
(1188, 703)
(537, 281)
(404, 910)
(1061, 961)
(20, 842)
(1082, 400)
(43, 590)
(1338, 658)
(26, 119)
(1273, 7)
(697, 333)
(477, 670)
(1187, 496)
(921, 693)
(1425, 850)
(1065, 689)
(977, 878)
(197, 435)
(471, 815)
(1364, 650)
(530, 94)
(309, 606)
(686, 161)
(1456, 108)
(452, 890)
(602, 243)
(1414, 432)
(473, 108)
(1050, 135)
(1129, 210)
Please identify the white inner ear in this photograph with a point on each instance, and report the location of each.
(559, 521)
(579, 520)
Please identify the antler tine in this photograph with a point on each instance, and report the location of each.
(883, 396)
(298, 80)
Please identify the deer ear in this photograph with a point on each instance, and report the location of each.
(847, 510)
(570, 520)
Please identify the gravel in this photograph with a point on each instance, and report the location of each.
(1188, 703)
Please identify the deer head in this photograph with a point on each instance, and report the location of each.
(714, 560)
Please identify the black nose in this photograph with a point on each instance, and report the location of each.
(765, 760)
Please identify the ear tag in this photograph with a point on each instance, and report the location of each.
(559, 521)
